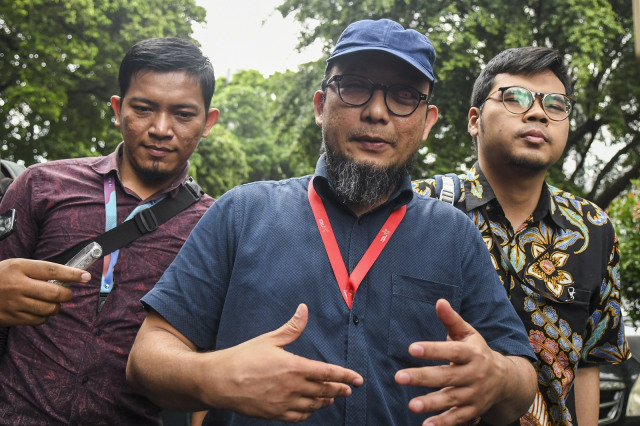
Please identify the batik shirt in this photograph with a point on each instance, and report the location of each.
(567, 250)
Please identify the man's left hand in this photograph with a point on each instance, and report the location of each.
(472, 382)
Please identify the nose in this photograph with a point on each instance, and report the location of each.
(536, 112)
(376, 109)
(161, 126)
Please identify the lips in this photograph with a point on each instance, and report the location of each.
(158, 151)
(534, 136)
(370, 142)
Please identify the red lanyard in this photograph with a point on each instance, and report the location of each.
(349, 284)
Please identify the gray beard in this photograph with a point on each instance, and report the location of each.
(363, 184)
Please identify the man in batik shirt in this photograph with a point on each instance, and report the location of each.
(556, 254)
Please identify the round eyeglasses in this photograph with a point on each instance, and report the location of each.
(355, 90)
(518, 100)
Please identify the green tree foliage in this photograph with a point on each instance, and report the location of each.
(219, 163)
(267, 117)
(625, 214)
(594, 35)
(59, 64)
(293, 116)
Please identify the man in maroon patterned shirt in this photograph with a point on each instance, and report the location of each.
(64, 360)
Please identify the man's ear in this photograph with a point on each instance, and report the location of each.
(116, 106)
(212, 118)
(474, 121)
(430, 120)
(318, 106)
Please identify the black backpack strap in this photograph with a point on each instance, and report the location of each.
(5, 182)
(8, 172)
(142, 223)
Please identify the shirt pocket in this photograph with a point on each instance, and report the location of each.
(413, 317)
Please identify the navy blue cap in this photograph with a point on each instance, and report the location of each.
(388, 36)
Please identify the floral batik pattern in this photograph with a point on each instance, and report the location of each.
(567, 250)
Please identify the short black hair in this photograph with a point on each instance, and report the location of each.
(166, 54)
(520, 61)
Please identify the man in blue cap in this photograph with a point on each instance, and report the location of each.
(382, 333)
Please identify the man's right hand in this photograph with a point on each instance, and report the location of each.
(26, 296)
(267, 381)
(257, 378)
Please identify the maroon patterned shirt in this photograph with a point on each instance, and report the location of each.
(71, 369)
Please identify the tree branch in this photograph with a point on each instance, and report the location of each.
(620, 184)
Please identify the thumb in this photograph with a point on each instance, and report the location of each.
(293, 328)
(457, 328)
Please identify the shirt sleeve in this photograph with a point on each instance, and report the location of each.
(22, 196)
(191, 293)
(605, 341)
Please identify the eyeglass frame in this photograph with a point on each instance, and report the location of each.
(385, 89)
(534, 96)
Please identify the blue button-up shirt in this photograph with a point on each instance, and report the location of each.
(257, 253)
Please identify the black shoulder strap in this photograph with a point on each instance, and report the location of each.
(8, 172)
(142, 223)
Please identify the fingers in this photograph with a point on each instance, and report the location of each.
(15, 269)
(318, 371)
(463, 377)
(47, 271)
(27, 297)
(454, 404)
(22, 310)
(453, 417)
(435, 377)
(292, 329)
(262, 379)
(457, 328)
(333, 374)
(303, 409)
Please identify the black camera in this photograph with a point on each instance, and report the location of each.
(7, 221)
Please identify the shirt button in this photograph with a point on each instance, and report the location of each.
(85, 379)
(356, 320)
(98, 332)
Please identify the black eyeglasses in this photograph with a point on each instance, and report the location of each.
(518, 100)
(355, 90)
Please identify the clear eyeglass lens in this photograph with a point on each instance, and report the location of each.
(557, 106)
(519, 99)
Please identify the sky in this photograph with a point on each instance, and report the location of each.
(250, 34)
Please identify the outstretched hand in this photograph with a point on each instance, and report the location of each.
(470, 384)
(27, 296)
(264, 380)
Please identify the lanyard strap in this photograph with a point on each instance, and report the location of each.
(349, 284)
(111, 220)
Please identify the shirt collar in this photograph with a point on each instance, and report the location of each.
(478, 192)
(111, 164)
(402, 195)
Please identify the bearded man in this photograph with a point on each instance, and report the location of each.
(378, 335)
